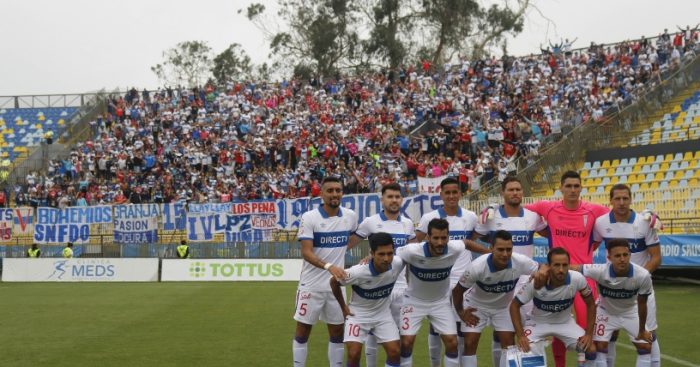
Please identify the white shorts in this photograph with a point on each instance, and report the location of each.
(526, 309)
(606, 324)
(567, 332)
(357, 331)
(396, 303)
(312, 306)
(439, 313)
(498, 319)
(651, 312)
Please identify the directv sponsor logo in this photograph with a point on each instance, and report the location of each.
(553, 306)
(331, 239)
(431, 275)
(374, 293)
(617, 293)
(500, 287)
(399, 239)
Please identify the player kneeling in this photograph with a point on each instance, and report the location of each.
(623, 288)
(369, 308)
(551, 313)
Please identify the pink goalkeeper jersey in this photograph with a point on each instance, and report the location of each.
(571, 229)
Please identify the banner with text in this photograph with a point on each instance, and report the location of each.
(79, 270)
(70, 224)
(136, 223)
(251, 222)
(676, 250)
(179, 270)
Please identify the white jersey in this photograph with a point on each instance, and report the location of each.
(461, 227)
(401, 231)
(522, 228)
(330, 240)
(493, 289)
(371, 291)
(618, 295)
(636, 231)
(553, 305)
(428, 276)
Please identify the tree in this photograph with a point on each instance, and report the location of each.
(187, 64)
(232, 64)
(319, 33)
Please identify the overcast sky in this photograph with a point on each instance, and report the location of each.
(75, 46)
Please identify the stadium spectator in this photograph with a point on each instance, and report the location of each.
(34, 251)
(68, 251)
(183, 250)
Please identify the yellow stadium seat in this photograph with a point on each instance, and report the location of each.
(658, 176)
(42, 118)
(584, 174)
(693, 182)
(654, 185)
(615, 163)
(606, 164)
(644, 186)
(679, 175)
(688, 156)
(673, 184)
(668, 157)
(642, 161)
(664, 167)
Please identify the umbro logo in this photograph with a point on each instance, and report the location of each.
(499, 225)
(608, 230)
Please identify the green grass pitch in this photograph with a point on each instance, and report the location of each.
(219, 324)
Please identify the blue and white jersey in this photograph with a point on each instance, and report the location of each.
(636, 231)
(401, 231)
(461, 228)
(522, 228)
(493, 289)
(553, 305)
(428, 276)
(330, 240)
(618, 294)
(371, 291)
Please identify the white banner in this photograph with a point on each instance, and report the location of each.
(230, 270)
(430, 185)
(79, 270)
(71, 224)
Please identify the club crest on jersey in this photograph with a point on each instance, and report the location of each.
(323, 225)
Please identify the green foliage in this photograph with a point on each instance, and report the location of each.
(187, 64)
(232, 64)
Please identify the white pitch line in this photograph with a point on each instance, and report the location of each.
(664, 356)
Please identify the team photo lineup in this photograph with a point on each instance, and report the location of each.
(431, 274)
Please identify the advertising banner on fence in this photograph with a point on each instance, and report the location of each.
(79, 270)
(676, 250)
(229, 270)
(251, 222)
(136, 223)
(430, 185)
(70, 224)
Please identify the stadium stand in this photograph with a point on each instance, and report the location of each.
(24, 128)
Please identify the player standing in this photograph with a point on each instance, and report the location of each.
(324, 234)
(400, 228)
(623, 222)
(551, 314)
(489, 283)
(623, 288)
(461, 227)
(430, 264)
(522, 225)
(369, 310)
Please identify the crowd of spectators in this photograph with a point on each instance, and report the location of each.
(262, 140)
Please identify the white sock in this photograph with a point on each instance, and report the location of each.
(299, 352)
(407, 361)
(496, 353)
(612, 353)
(335, 354)
(451, 361)
(460, 346)
(601, 359)
(434, 349)
(655, 353)
(371, 350)
(503, 359)
(643, 360)
(469, 361)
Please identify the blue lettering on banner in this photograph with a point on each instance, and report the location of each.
(331, 239)
(430, 275)
(500, 287)
(62, 233)
(617, 293)
(174, 216)
(75, 215)
(553, 306)
(6, 215)
(373, 293)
